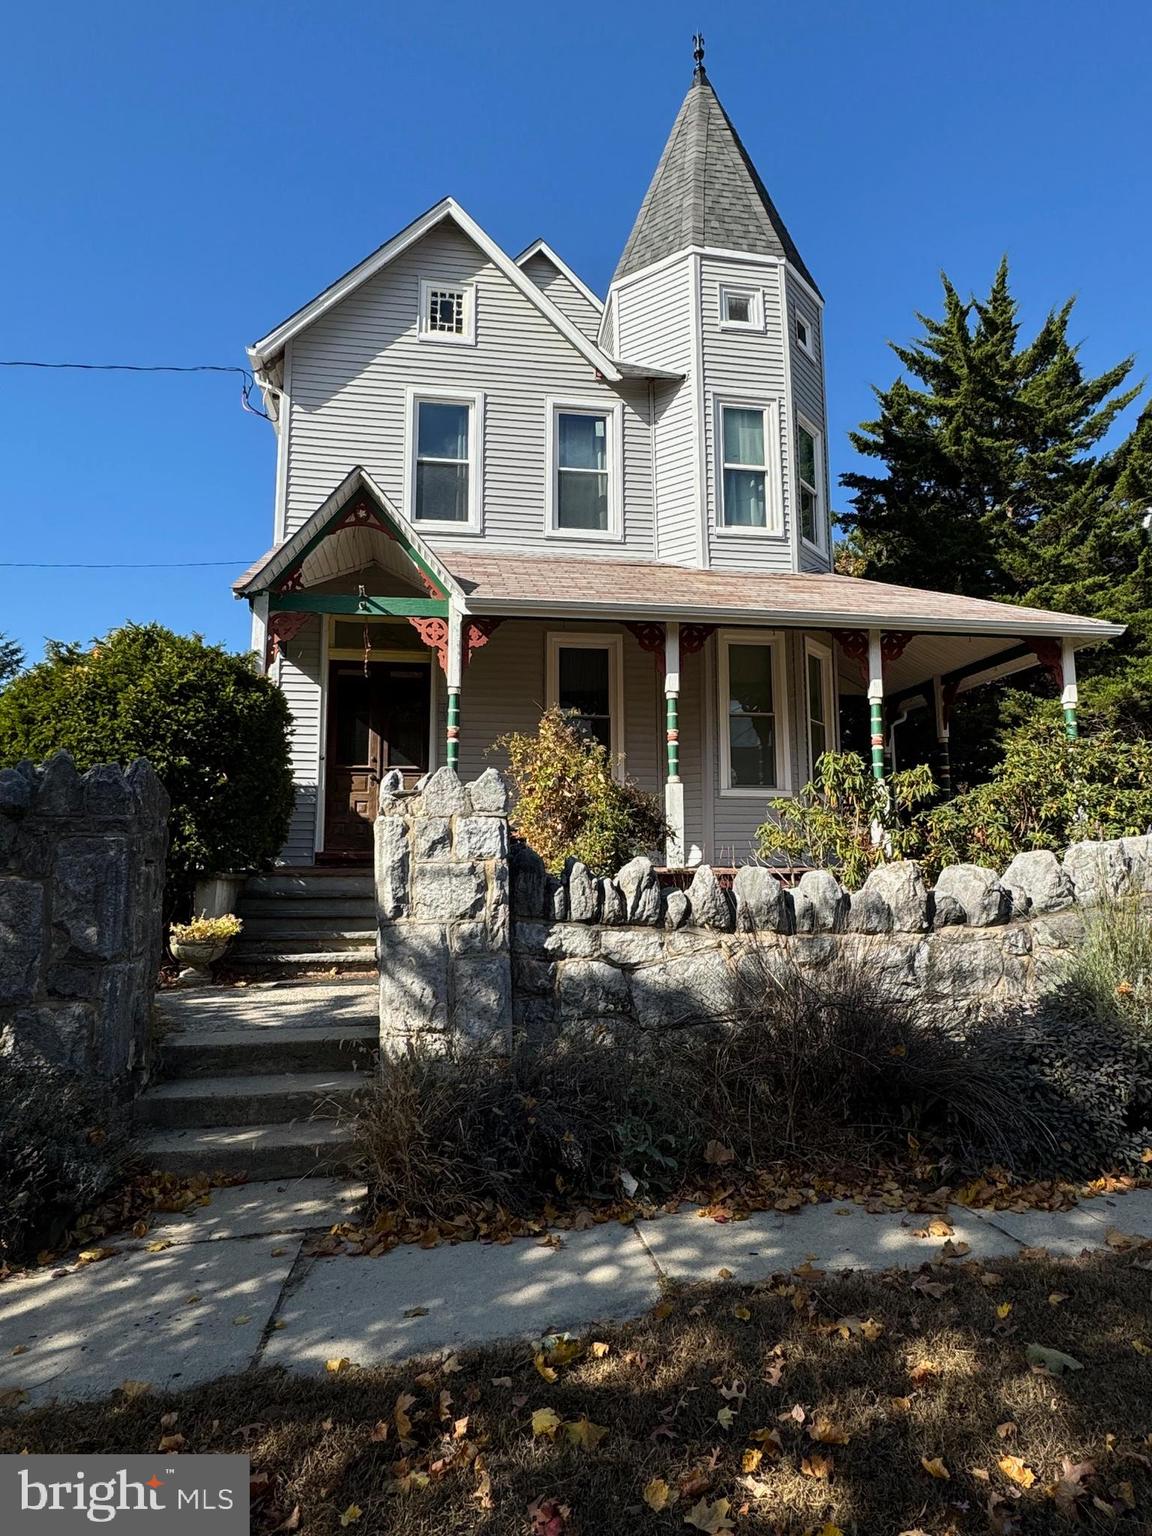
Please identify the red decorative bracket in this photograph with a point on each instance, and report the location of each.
(433, 589)
(477, 634)
(893, 644)
(853, 642)
(1050, 657)
(649, 635)
(693, 637)
(434, 633)
(293, 582)
(363, 515)
(282, 627)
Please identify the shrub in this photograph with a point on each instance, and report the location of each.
(846, 819)
(57, 1158)
(570, 804)
(213, 728)
(1048, 792)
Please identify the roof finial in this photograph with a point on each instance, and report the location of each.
(698, 54)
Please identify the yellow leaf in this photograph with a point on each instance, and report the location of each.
(871, 1330)
(159, 1246)
(825, 1432)
(241, 1320)
(336, 1366)
(1014, 1469)
(723, 1274)
(598, 1351)
(712, 1518)
(171, 1443)
(132, 1389)
(742, 1314)
(584, 1433)
(725, 1418)
(935, 1468)
(351, 1515)
(1056, 1297)
(1003, 1309)
(657, 1495)
(543, 1367)
(751, 1460)
(94, 1255)
(1140, 1347)
(545, 1421)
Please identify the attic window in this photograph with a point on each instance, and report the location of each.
(741, 309)
(447, 312)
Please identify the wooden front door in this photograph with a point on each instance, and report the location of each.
(376, 722)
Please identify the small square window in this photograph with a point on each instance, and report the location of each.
(740, 309)
(804, 336)
(446, 312)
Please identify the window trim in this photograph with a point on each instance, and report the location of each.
(824, 655)
(799, 318)
(742, 290)
(613, 413)
(558, 640)
(474, 400)
(821, 542)
(774, 511)
(777, 639)
(467, 337)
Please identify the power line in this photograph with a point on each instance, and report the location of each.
(245, 394)
(145, 565)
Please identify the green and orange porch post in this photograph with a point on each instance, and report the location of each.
(876, 701)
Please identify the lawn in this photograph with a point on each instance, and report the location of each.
(870, 1404)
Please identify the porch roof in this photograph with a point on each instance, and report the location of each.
(512, 584)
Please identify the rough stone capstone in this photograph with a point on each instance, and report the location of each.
(803, 914)
(392, 864)
(582, 894)
(641, 891)
(677, 909)
(828, 898)
(15, 792)
(61, 793)
(1138, 851)
(610, 899)
(977, 891)
(107, 793)
(392, 783)
(711, 905)
(761, 902)
(558, 899)
(1037, 883)
(444, 795)
(868, 912)
(529, 882)
(1099, 871)
(489, 793)
(901, 887)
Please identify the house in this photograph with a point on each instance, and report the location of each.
(496, 491)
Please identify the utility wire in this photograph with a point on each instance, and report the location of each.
(245, 393)
(146, 565)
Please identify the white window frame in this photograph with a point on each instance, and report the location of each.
(613, 412)
(821, 541)
(823, 654)
(774, 527)
(474, 400)
(799, 318)
(571, 640)
(464, 338)
(755, 322)
(778, 641)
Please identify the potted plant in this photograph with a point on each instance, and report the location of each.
(199, 944)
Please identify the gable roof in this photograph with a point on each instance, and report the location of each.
(542, 248)
(330, 515)
(263, 353)
(706, 192)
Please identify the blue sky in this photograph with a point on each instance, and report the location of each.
(177, 180)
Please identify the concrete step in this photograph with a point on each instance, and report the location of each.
(294, 958)
(242, 1052)
(261, 1151)
(293, 908)
(305, 942)
(309, 884)
(272, 1098)
(288, 926)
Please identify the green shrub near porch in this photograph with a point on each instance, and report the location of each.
(213, 728)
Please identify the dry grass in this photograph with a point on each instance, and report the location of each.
(940, 1378)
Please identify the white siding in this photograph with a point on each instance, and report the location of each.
(743, 365)
(654, 323)
(563, 293)
(808, 395)
(350, 370)
(298, 672)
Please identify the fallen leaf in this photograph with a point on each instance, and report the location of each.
(1006, 1430)
(1140, 1347)
(1113, 1237)
(662, 1310)
(351, 1515)
(716, 1153)
(334, 1367)
(400, 1415)
(935, 1468)
(1003, 1310)
(1056, 1297)
(12, 1397)
(1054, 1361)
(723, 1274)
(751, 1460)
(159, 1246)
(711, 1518)
(172, 1443)
(598, 1351)
(380, 1431)
(243, 1318)
(584, 1433)
(741, 1314)
(548, 1373)
(1014, 1469)
(825, 1432)
(725, 1417)
(657, 1494)
(816, 1465)
(545, 1421)
(132, 1389)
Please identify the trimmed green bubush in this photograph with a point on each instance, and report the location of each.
(569, 803)
(213, 728)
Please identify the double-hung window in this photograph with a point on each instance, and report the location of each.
(820, 698)
(808, 479)
(583, 469)
(444, 454)
(584, 678)
(747, 459)
(753, 743)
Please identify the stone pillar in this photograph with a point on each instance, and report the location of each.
(1069, 698)
(673, 785)
(442, 899)
(876, 702)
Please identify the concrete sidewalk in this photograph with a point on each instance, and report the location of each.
(233, 1290)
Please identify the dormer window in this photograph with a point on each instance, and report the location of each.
(447, 311)
(741, 309)
(804, 337)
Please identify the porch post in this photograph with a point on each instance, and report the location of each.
(673, 786)
(454, 674)
(1070, 697)
(876, 702)
(943, 734)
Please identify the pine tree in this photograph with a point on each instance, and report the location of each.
(11, 659)
(984, 441)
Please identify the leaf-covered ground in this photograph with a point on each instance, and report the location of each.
(1013, 1397)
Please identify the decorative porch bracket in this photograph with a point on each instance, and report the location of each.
(453, 638)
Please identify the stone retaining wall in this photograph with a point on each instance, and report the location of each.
(477, 937)
(81, 888)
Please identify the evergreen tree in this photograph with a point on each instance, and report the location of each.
(984, 441)
(11, 659)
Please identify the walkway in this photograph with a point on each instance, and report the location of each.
(233, 1289)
